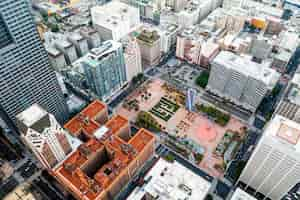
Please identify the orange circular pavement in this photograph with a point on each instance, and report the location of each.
(206, 132)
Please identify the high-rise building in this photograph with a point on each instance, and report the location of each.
(105, 69)
(25, 73)
(149, 42)
(240, 80)
(133, 58)
(274, 166)
(44, 136)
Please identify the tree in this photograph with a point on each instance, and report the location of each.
(209, 197)
(146, 120)
(54, 28)
(202, 79)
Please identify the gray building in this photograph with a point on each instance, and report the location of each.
(25, 73)
(274, 166)
(105, 69)
(240, 80)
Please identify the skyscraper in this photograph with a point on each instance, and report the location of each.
(274, 167)
(44, 136)
(105, 69)
(25, 74)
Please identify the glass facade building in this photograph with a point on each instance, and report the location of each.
(105, 69)
(25, 73)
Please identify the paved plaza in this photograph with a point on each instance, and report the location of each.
(184, 124)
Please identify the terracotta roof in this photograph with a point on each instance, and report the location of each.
(85, 120)
(118, 154)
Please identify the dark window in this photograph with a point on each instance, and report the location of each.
(5, 37)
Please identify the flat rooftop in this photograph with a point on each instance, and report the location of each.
(247, 67)
(241, 195)
(31, 115)
(167, 181)
(285, 131)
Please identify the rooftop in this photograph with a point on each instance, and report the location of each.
(284, 131)
(247, 67)
(98, 164)
(86, 121)
(149, 37)
(31, 115)
(167, 181)
(114, 14)
(241, 195)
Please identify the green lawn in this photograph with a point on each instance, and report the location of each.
(164, 109)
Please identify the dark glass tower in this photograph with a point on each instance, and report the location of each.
(25, 74)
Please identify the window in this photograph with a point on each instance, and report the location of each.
(5, 37)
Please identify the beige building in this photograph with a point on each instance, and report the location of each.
(149, 42)
(44, 136)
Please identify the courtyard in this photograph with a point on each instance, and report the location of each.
(166, 105)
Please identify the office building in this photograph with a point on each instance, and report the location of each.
(146, 8)
(108, 160)
(44, 136)
(240, 80)
(168, 36)
(289, 105)
(80, 43)
(92, 36)
(26, 75)
(56, 57)
(167, 180)
(115, 20)
(229, 4)
(67, 48)
(274, 166)
(209, 51)
(149, 42)
(133, 58)
(105, 69)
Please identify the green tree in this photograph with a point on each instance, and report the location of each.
(146, 120)
(202, 79)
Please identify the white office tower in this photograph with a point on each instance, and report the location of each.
(240, 80)
(133, 58)
(115, 20)
(229, 4)
(44, 136)
(274, 167)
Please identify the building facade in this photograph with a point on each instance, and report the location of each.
(149, 42)
(44, 136)
(133, 58)
(26, 76)
(240, 80)
(274, 166)
(289, 106)
(105, 69)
